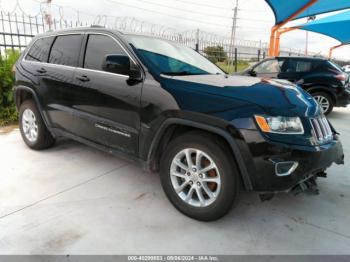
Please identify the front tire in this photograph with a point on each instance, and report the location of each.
(33, 130)
(325, 101)
(199, 176)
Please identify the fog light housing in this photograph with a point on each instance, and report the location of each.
(285, 168)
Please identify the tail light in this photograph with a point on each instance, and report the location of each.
(341, 77)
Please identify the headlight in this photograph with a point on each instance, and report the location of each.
(280, 124)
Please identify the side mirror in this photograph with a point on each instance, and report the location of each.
(252, 73)
(118, 64)
(135, 73)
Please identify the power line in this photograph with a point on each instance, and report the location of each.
(170, 15)
(202, 4)
(253, 20)
(183, 10)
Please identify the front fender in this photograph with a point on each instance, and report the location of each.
(229, 133)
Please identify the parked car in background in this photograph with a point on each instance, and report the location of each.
(171, 110)
(346, 68)
(323, 79)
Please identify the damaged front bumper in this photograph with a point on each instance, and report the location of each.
(288, 167)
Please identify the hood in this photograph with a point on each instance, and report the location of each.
(277, 97)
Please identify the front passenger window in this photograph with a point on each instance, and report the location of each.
(268, 67)
(97, 50)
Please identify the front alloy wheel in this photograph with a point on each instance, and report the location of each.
(199, 175)
(195, 177)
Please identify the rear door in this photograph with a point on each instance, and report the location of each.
(108, 104)
(58, 80)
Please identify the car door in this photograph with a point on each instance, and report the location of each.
(269, 68)
(295, 68)
(57, 82)
(107, 102)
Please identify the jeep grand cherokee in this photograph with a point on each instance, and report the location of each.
(171, 110)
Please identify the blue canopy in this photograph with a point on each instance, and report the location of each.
(283, 9)
(335, 26)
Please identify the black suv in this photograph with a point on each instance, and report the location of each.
(323, 79)
(172, 111)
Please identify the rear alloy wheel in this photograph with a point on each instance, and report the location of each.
(30, 125)
(325, 101)
(33, 130)
(199, 176)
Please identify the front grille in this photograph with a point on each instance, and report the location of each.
(322, 129)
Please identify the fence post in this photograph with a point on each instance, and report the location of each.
(236, 60)
(197, 40)
(259, 52)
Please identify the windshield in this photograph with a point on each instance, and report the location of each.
(170, 58)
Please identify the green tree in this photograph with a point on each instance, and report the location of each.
(8, 112)
(215, 53)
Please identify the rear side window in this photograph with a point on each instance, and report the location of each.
(39, 51)
(98, 46)
(297, 66)
(65, 50)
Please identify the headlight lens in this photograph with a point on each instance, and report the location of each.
(280, 124)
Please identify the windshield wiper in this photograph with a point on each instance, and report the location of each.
(181, 73)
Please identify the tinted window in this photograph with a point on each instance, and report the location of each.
(65, 50)
(97, 48)
(40, 50)
(297, 66)
(269, 67)
(171, 58)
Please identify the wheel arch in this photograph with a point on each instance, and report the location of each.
(324, 89)
(165, 134)
(23, 93)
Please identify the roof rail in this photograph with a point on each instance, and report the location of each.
(97, 26)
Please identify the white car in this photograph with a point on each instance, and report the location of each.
(346, 68)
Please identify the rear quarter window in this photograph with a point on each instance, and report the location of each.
(39, 51)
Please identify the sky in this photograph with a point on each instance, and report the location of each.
(255, 18)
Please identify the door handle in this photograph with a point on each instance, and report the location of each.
(83, 78)
(41, 70)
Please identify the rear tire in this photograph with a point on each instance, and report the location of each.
(201, 200)
(325, 101)
(33, 130)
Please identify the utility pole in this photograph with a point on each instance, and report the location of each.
(233, 36)
(197, 40)
(46, 11)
